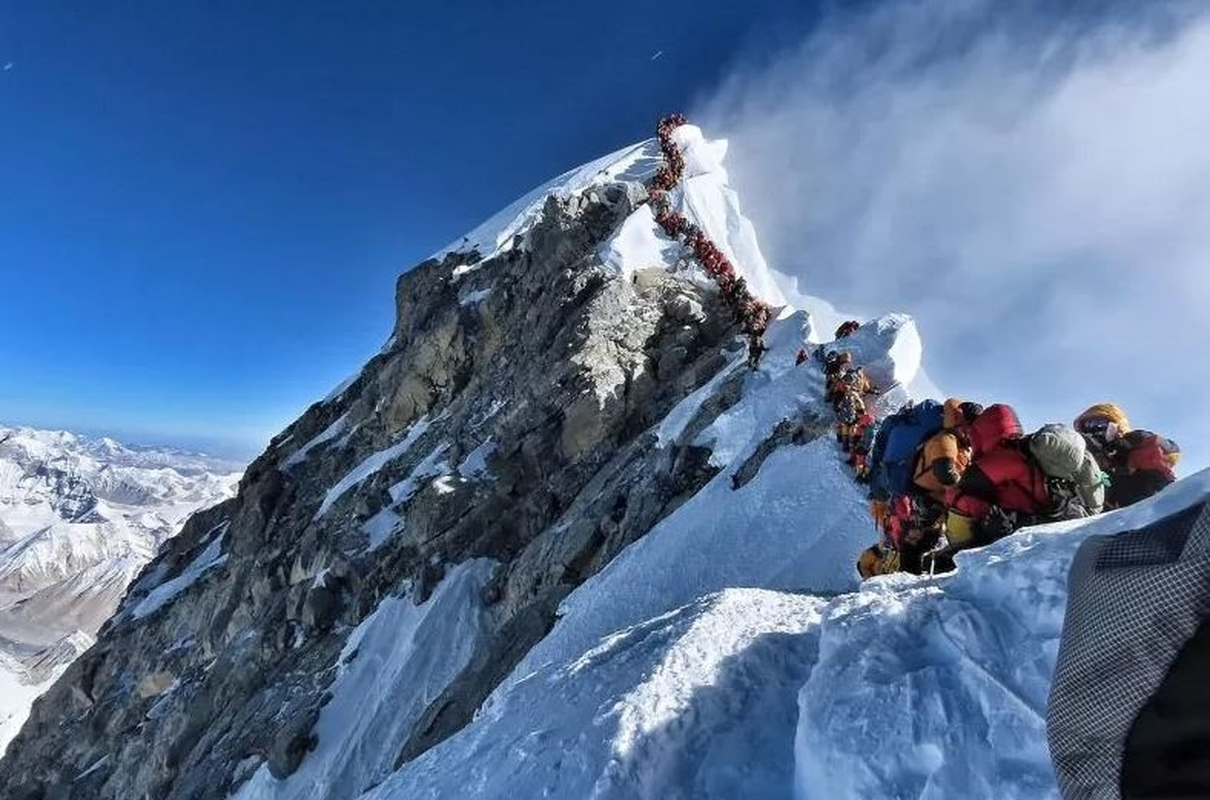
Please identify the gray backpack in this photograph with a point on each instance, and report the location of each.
(1063, 455)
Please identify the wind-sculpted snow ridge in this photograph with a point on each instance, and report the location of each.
(501, 231)
(696, 703)
(556, 539)
(910, 687)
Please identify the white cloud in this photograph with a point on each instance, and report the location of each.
(1037, 193)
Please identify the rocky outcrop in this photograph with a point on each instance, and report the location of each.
(508, 418)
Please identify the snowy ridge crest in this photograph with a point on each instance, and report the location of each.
(557, 539)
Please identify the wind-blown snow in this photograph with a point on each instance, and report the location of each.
(403, 657)
(210, 558)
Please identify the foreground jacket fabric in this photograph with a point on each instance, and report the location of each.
(1129, 712)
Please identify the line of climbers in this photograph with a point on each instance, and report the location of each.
(948, 476)
(751, 313)
(942, 476)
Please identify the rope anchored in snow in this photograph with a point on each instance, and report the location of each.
(750, 312)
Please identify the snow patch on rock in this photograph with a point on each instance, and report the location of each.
(328, 434)
(372, 464)
(210, 558)
(474, 465)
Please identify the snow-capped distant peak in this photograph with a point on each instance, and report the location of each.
(79, 517)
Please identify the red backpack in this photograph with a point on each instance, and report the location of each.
(990, 429)
(1150, 451)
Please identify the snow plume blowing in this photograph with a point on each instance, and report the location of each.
(1035, 191)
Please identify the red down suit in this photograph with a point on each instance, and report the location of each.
(1002, 473)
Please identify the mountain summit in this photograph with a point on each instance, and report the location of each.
(556, 539)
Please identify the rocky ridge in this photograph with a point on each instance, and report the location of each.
(509, 421)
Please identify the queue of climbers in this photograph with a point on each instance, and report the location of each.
(947, 476)
(752, 314)
(942, 476)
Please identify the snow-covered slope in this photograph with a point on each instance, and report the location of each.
(695, 703)
(557, 540)
(796, 524)
(907, 688)
(704, 196)
(79, 517)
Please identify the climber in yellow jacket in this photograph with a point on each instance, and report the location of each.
(944, 456)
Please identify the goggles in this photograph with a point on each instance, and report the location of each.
(1095, 426)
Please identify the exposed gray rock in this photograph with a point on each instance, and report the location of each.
(294, 739)
(564, 368)
(788, 431)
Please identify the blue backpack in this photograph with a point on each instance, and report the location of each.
(899, 437)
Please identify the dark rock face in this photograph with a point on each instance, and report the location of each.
(554, 378)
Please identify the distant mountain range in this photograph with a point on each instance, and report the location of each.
(79, 517)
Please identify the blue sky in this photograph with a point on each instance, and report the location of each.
(204, 205)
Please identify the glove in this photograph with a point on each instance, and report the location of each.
(997, 524)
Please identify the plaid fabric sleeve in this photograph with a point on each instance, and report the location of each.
(1134, 599)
